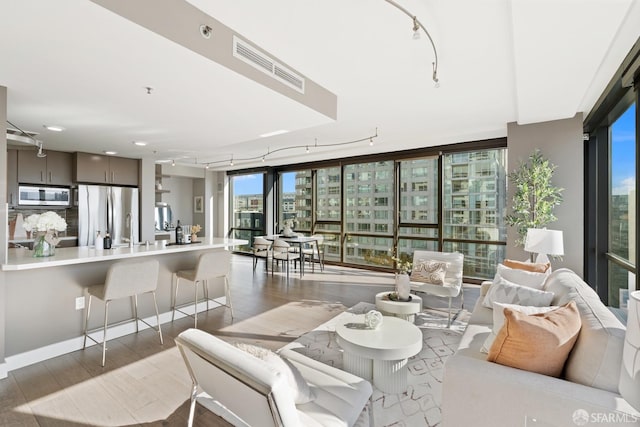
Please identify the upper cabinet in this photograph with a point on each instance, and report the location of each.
(98, 169)
(54, 169)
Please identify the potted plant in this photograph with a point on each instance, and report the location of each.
(535, 196)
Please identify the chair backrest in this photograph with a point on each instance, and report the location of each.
(213, 264)
(128, 278)
(453, 275)
(280, 246)
(261, 244)
(319, 239)
(241, 383)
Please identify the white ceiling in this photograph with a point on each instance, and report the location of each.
(75, 64)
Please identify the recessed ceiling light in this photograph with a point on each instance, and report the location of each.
(110, 153)
(139, 143)
(53, 128)
(274, 133)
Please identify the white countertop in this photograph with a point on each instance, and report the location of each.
(22, 259)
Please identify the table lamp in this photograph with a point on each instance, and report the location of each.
(544, 242)
(629, 385)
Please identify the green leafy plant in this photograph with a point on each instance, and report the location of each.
(534, 197)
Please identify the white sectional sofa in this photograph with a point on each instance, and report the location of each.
(481, 393)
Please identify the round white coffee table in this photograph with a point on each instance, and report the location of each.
(379, 354)
(403, 309)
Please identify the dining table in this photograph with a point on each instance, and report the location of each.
(300, 241)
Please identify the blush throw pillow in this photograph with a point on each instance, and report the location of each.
(527, 266)
(498, 319)
(509, 293)
(429, 271)
(538, 343)
(299, 387)
(521, 277)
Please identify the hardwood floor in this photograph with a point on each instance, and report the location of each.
(145, 383)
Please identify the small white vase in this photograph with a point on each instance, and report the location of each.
(403, 286)
(287, 232)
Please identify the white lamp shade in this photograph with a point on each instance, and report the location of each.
(629, 385)
(543, 241)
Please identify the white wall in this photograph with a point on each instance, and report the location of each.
(561, 142)
(179, 197)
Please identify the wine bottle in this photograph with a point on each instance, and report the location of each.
(179, 235)
(107, 241)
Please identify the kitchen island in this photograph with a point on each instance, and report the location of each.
(42, 319)
(22, 258)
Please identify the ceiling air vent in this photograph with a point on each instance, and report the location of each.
(247, 53)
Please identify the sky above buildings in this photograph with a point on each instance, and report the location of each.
(623, 148)
(252, 184)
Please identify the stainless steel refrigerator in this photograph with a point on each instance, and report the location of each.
(112, 210)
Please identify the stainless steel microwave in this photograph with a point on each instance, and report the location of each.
(43, 196)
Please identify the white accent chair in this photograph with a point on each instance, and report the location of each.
(281, 252)
(453, 277)
(261, 249)
(245, 391)
(124, 279)
(211, 265)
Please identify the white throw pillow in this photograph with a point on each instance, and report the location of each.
(498, 319)
(510, 293)
(299, 387)
(521, 277)
(429, 271)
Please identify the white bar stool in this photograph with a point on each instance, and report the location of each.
(124, 279)
(211, 265)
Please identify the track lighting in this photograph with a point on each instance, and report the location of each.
(40, 153)
(417, 25)
(416, 28)
(307, 148)
(173, 162)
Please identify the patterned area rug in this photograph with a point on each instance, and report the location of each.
(420, 404)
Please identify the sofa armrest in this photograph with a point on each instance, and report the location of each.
(493, 394)
(484, 287)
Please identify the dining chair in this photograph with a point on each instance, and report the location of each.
(281, 253)
(124, 280)
(261, 249)
(314, 248)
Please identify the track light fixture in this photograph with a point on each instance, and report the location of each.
(262, 157)
(417, 25)
(173, 162)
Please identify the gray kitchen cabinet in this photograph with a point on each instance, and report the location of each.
(99, 169)
(12, 177)
(123, 171)
(54, 169)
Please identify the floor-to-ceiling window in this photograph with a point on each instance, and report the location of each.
(295, 196)
(419, 200)
(622, 202)
(328, 210)
(611, 180)
(247, 208)
(474, 209)
(369, 210)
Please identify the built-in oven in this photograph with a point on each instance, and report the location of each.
(43, 196)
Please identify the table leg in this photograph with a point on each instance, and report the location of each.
(357, 365)
(390, 376)
(301, 259)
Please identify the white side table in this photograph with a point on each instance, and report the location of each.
(379, 354)
(403, 309)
